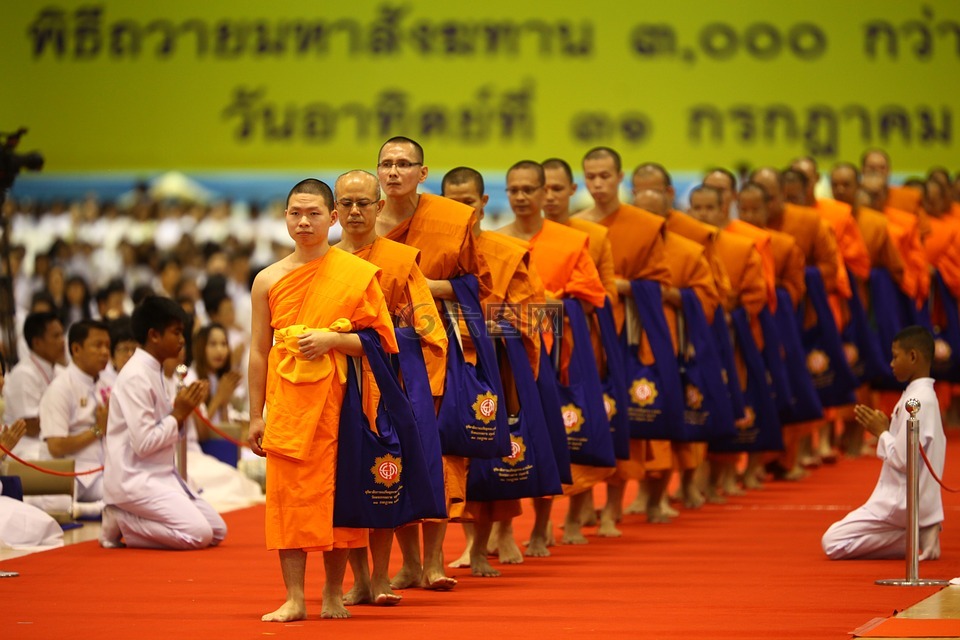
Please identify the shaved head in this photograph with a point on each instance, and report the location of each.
(653, 201)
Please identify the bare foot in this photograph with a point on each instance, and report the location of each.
(333, 607)
(752, 482)
(387, 599)
(508, 551)
(463, 561)
(573, 537)
(657, 516)
(439, 582)
(608, 528)
(358, 595)
(405, 579)
(667, 510)
(588, 518)
(639, 505)
(693, 498)
(714, 497)
(537, 548)
(480, 567)
(288, 612)
(795, 474)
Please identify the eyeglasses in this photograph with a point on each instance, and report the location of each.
(348, 205)
(400, 165)
(527, 191)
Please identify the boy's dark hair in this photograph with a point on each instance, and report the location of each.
(918, 338)
(80, 330)
(155, 313)
(121, 330)
(35, 325)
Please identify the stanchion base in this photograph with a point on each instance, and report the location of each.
(919, 582)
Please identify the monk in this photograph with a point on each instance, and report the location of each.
(636, 237)
(408, 299)
(560, 189)
(561, 256)
(817, 241)
(688, 270)
(789, 268)
(515, 288)
(876, 162)
(306, 307)
(443, 231)
(748, 289)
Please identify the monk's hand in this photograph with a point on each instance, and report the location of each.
(255, 435)
(10, 436)
(624, 288)
(314, 344)
(671, 296)
(872, 420)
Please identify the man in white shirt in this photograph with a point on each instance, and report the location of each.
(878, 529)
(148, 505)
(27, 381)
(73, 409)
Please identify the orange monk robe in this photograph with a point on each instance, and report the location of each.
(304, 397)
(601, 252)
(747, 285)
(443, 231)
(705, 235)
(850, 241)
(561, 258)
(905, 230)
(904, 198)
(761, 240)
(941, 247)
(636, 237)
(883, 250)
(410, 302)
(790, 265)
(516, 285)
(688, 266)
(815, 238)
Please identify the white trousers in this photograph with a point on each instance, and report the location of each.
(863, 536)
(170, 520)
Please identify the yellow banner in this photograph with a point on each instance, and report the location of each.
(245, 85)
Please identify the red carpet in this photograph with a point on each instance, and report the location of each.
(749, 569)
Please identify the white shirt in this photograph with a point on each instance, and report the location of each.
(141, 435)
(68, 408)
(889, 499)
(23, 387)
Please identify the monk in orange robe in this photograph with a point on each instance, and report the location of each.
(789, 268)
(688, 270)
(882, 253)
(515, 288)
(410, 303)
(560, 254)
(817, 240)
(748, 288)
(305, 308)
(443, 231)
(636, 237)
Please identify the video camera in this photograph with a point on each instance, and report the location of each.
(12, 163)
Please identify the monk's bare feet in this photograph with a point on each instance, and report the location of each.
(693, 498)
(731, 488)
(288, 612)
(588, 517)
(462, 562)
(752, 482)
(508, 551)
(437, 582)
(655, 515)
(639, 505)
(382, 595)
(713, 496)
(537, 548)
(480, 567)
(333, 606)
(406, 578)
(573, 535)
(358, 594)
(608, 527)
(668, 510)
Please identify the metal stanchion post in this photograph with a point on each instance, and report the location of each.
(913, 506)
(181, 373)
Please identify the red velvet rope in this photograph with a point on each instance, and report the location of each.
(218, 431)
(926, 461)
(64, 474)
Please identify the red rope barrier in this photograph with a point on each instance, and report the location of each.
(64, 474)
(926, 461)
(218, 431)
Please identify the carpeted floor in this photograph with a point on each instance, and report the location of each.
(750, 569)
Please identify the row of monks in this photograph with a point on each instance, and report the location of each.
(630, 341)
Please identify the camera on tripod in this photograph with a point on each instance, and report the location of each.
(11, 163)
